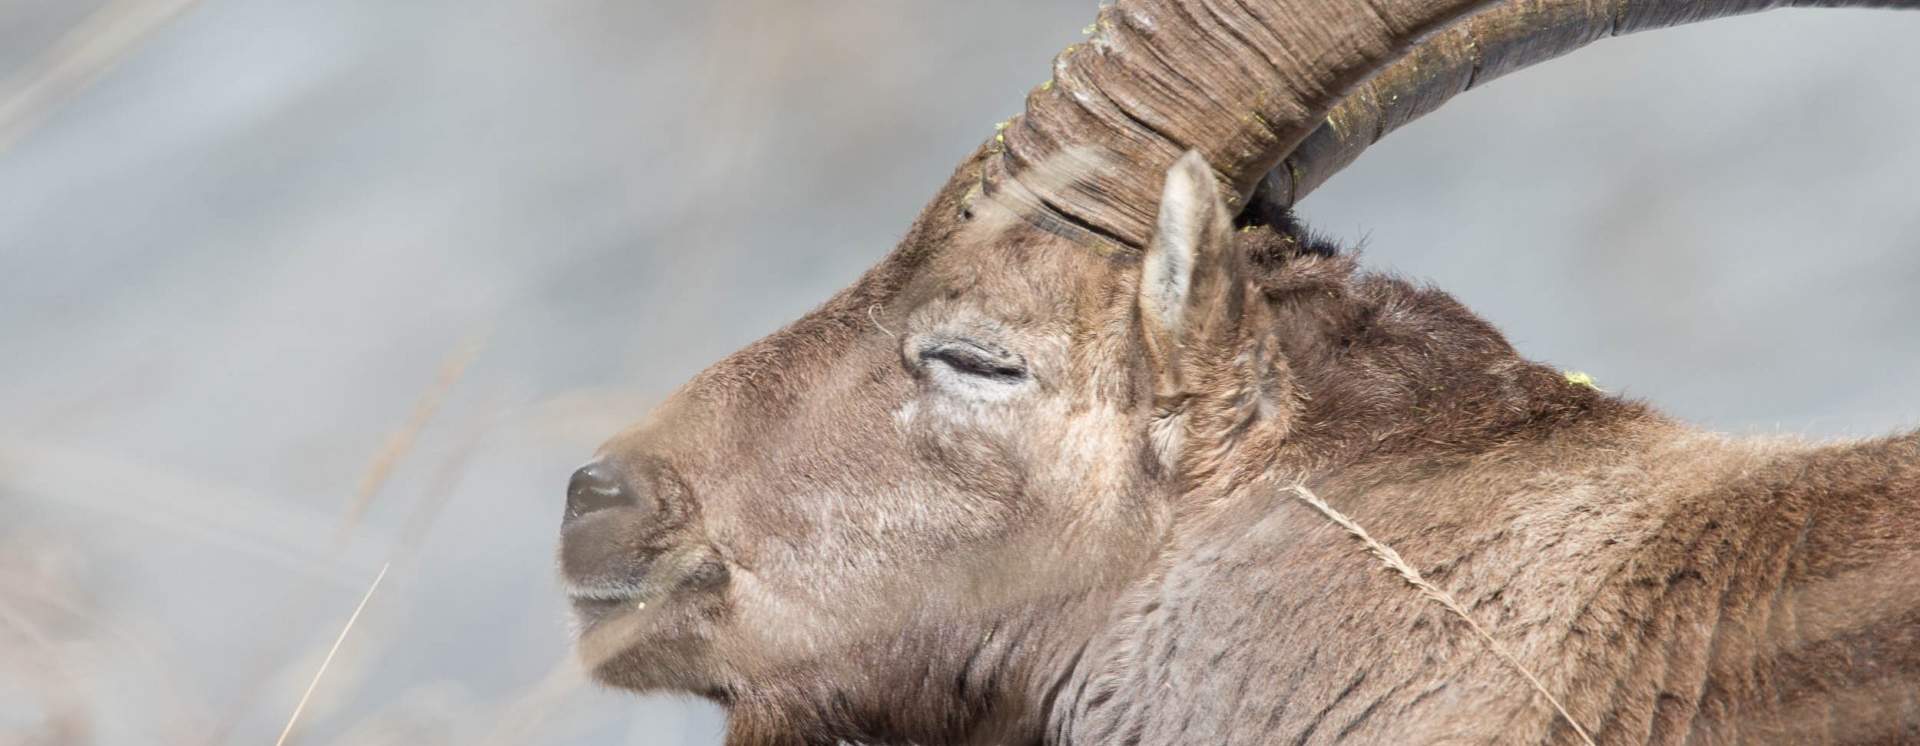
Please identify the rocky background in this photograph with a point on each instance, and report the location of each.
(291, 290)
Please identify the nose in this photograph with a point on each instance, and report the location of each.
(596, 487)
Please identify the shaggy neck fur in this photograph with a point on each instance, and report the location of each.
(1670, 586)
(987, 682)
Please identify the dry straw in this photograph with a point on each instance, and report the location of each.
(327, 661)
(1413, 577)
(401, 441)
(80, 57)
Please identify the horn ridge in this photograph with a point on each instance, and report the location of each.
(1242, 81)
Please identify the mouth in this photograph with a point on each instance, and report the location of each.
(590, 612)
(667, 580)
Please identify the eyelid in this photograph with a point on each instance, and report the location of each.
(975, 358)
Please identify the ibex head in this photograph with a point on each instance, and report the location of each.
(986, 429)
(902, 517)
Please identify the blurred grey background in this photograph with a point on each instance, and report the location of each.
(291, 290)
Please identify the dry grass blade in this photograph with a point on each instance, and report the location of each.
(398, 445)
(79, 58)
(327, 661)
(1393, 560)
(401, 441)
(107, 636)
(164, 501)
(58, 689)
(446, 479)
(520, 719)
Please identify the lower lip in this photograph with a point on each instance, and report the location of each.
(592, 611)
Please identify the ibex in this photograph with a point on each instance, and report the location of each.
(1089, 457)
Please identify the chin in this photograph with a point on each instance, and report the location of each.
(645, 646)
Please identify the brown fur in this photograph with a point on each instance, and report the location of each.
(1104, 552)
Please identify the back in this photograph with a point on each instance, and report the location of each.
(1668, 586)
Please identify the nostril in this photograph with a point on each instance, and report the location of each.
(595, 487)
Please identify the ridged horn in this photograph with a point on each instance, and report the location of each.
(1250, 83)
(1241, 81)
(1485, 46)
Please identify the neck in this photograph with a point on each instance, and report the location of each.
(989, 681)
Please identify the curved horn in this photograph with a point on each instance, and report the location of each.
(1246, 82)
(1242, 81)
(1483, 47)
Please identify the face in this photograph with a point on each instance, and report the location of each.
(974, 431)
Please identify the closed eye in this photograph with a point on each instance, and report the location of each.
(976, 359)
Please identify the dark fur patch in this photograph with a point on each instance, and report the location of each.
(1293, 236)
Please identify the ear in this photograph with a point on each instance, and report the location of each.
(1190, 275)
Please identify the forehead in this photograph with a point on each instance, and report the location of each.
(1017, 275)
